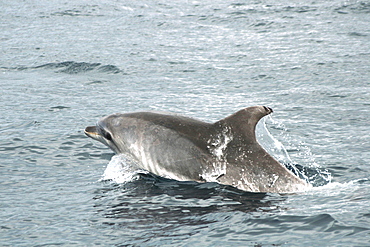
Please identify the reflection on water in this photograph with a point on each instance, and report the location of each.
(152, 208)
(154, 204)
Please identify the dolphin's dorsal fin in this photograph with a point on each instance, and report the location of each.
(244, 121)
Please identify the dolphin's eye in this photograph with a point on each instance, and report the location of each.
(105, 133)
(108, 136)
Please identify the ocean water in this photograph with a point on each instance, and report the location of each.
(65, 64)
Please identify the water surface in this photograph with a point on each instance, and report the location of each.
(64, 65)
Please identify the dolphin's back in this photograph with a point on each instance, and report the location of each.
(192, 129)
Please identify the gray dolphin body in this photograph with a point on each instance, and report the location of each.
(187, 149)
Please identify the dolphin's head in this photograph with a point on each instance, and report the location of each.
(103, 131)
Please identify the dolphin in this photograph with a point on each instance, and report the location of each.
(186, 149)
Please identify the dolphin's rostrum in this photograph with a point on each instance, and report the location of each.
(187, 149)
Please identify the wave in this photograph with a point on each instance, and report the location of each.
(361, 7)
(71, 67)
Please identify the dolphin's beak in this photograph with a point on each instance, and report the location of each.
(91, 131)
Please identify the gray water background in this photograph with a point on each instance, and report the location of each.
(65, 64)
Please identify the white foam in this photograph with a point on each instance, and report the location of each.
(334, 188)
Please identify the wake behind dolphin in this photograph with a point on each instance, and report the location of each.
(187, 149)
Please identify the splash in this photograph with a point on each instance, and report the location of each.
(121, 169)
(312, 173)
(217, 146)
(271, 144)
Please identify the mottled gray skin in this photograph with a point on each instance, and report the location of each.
(187, 149)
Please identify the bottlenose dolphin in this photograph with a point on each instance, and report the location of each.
(187, 149)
